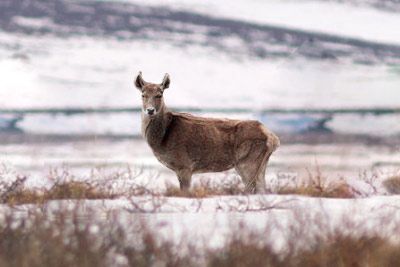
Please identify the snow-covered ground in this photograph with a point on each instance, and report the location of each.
(363, 167)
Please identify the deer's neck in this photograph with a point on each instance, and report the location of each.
(154, 128)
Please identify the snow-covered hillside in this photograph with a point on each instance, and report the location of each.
(85, 53)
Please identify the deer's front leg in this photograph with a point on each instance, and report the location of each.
(184, 177)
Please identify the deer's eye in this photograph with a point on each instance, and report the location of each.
(143, 96)
(158, 96)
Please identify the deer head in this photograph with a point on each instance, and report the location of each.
(152, 94)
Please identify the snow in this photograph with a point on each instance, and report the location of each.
(330, 17)
(334, 160)
(31, 22)
(367, 124)
(117, 124)
(67, 72)
(363, 167)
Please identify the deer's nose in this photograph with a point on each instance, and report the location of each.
(150, 111)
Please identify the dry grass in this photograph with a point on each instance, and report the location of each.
(205, 189)
(39, 241)
(65, 187)
(15, 192)
(67, 238)
(350, 251)
(61, 190)
(314, 185)
(102, 186)
(392, 185)
(341, 251)
(341, 190)
(317, 185)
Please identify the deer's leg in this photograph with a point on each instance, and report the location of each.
(260, 180)
(184, 177)
(252, 166)
(246, 178)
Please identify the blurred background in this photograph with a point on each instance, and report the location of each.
(323, 74)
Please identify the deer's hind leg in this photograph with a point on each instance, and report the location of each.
(184, 177)
(252, 163)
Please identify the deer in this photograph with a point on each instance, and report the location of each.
(189, 144)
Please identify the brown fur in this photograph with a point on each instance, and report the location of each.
(188, 144)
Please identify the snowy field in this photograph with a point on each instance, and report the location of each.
(252, 55)
(358, 164)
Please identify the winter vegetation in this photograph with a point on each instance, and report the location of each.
(77, 222)
(392, 184)
(64, 237)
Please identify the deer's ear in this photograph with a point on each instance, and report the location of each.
(139, 82)
(166, 81)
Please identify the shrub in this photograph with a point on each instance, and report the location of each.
(317, 185)
(16, 194)
(340, 250)
(206, 189)
(67, 237)
(392, 185)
